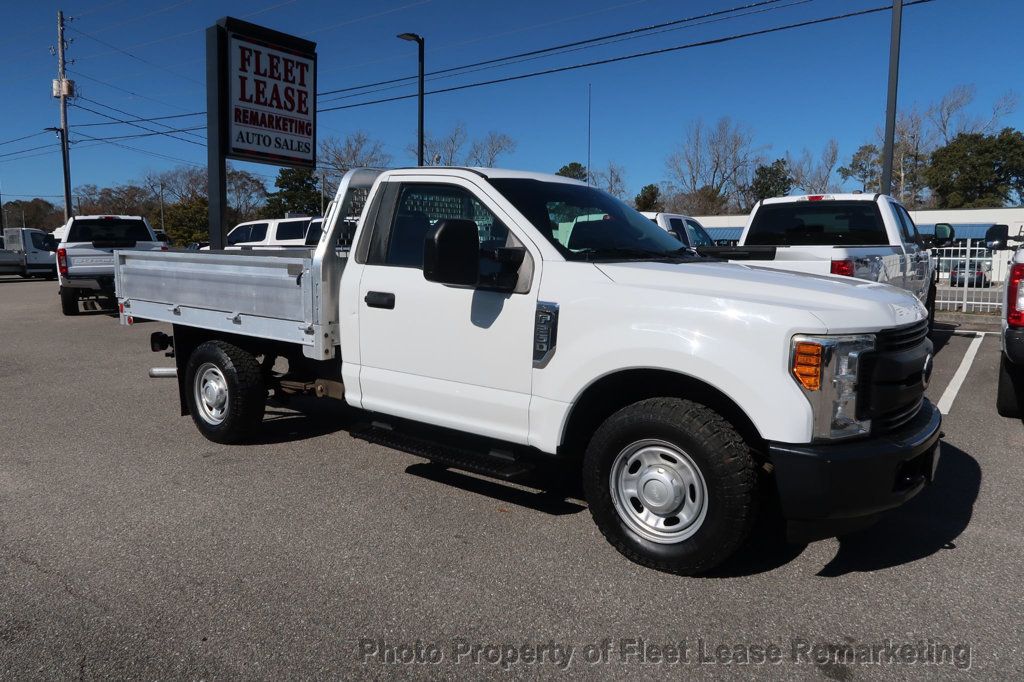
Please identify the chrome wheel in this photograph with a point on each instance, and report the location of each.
(659, 491)
(211, 393)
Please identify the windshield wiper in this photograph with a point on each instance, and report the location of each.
(618, 253)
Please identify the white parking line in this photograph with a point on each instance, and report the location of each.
(949, 395)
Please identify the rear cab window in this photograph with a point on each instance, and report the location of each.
(292, 229)
(109, 231)
(818, 223)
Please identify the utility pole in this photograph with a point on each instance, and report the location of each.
(589, 172)
(418, 39)
(63, 88)
(2, 213)
(890, 107)
(162, 207)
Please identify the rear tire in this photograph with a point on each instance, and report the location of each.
(1010, 392)
(68, 301)
(671, 484)
(226, 392)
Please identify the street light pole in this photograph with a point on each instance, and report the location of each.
(418, 39)
(890, 107)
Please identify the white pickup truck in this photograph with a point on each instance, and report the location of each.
(85, 255)
(868, 236)
(1010, 389)
(480, 334)
(28, 252)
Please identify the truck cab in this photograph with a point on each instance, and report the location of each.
(31, 252)
(487, 318)
(687, 230)
(270, 233)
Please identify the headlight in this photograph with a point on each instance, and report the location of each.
(826, 369)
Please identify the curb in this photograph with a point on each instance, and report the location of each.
(969, 322)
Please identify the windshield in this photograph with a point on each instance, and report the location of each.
(697, 234)
(584, 223)
(819, 223)
(108, 230)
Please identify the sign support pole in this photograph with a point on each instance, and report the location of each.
(216, 132)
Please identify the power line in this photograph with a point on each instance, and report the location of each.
(626, 35)
(135, 56)
(149, 134)
(124, 90)
(25, 137)
(30, 149)
(142, 151)
(129, 121)
(140, 127)
(562, 46)
(636, 55)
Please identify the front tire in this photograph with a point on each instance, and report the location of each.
(671, 484)
(68, 301)
(1010, 392)
(226, 392)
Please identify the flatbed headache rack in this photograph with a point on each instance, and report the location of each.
(288, 296)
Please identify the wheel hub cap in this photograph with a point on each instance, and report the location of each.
(211, 393)
(658, 491)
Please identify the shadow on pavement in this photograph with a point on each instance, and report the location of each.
(547, 501)
(927, 524)
(940, 336)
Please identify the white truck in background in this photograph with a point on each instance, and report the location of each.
(477, 332)
(1010, 389)
(867, 236)
(28, 252)
(684, 228)
(85, 255)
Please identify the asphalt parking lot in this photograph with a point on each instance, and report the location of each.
(132, 547)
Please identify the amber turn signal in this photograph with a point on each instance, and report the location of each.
(807, 363)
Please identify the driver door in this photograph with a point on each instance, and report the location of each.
(452, 356)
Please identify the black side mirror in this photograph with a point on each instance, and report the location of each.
(49, 243)
(996, 237)
(451, 253)
(509, 259)
(944, 234)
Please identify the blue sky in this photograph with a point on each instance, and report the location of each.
(793, 89)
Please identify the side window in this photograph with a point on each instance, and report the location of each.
(292, 229)
(907, 228)
(679, 230)
(38, 240)
(259, 233)
(239, 235)
(420, 207)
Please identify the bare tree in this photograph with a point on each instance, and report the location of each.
(184, 183)
(442, 151)
(485, 152)
(949, 115)
(246, 194)
(815, 176)
(612, 180)
(357, 150)
(714, 161)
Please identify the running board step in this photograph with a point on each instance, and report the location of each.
(496, 463)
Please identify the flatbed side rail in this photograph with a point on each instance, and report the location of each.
(253, 294)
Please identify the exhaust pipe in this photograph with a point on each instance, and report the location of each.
(163, 372)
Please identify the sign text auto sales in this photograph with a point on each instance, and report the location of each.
(272, 103)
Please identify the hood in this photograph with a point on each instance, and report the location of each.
(842, 304)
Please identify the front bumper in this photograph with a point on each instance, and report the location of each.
(1013, 346)
(834, 488)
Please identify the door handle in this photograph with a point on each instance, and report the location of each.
(380, 299)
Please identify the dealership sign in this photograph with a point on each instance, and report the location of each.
(271, 96)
